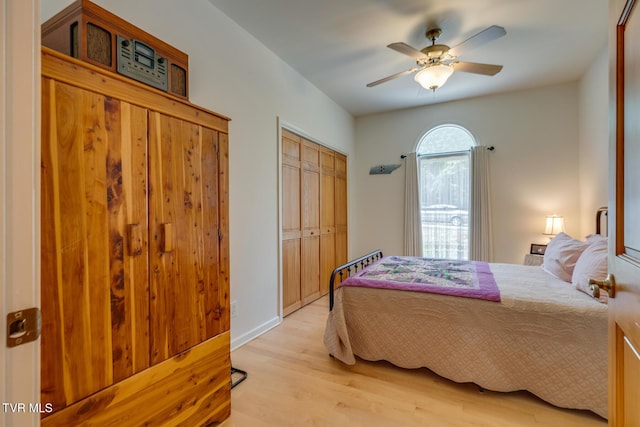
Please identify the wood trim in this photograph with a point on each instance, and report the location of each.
(183, 390)
(619, 103)
(81, 74)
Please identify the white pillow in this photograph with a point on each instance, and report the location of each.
(592, 238)
(561, 256)
(593, 263)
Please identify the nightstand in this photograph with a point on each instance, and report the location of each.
(533, 259)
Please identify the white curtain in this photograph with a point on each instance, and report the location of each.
(480, 241)
(412, 220)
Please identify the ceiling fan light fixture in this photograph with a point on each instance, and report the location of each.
(434, 76)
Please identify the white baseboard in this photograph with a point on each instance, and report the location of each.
(254, 333)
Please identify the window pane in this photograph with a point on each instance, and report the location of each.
(445, 139)
(444, 192)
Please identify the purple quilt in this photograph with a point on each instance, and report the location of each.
(470, 279)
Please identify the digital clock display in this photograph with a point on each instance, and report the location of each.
(147, 62)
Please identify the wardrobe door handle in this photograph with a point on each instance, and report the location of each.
(167, 238)
(134, 232)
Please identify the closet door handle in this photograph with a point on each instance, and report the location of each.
(134, 232)
(167, 237)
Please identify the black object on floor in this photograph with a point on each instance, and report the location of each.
(240, 376)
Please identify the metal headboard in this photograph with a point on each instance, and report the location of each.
(603, 210)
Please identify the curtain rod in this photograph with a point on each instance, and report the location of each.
(490, 148)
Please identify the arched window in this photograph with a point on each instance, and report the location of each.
(444, 171)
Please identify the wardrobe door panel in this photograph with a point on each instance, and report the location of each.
(94, 288)
(222, 323)
(184, 232)
(129, 260)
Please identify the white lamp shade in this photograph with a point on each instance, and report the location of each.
(554, 225)
(434, 76)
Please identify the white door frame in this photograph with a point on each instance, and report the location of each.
(19, 203)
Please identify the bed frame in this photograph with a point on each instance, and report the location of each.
(346, 269)
(603, 210)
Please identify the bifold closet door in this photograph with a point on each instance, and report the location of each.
(314, 219)
(310, 197)
(94, 242)
(291, 221)
(327, 219)
(300, 221)
(187, 302)
(341, 218)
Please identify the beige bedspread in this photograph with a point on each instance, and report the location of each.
(544, 336)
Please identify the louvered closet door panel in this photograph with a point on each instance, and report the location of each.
(291, 221)
(94, 247)
(310, 283)
(183, 221)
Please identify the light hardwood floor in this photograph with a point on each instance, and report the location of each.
(292, 381)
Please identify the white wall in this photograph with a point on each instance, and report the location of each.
(19, 200)
(534, 168)
(594, 136)
(232, 73)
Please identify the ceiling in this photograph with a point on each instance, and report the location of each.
(340, 46)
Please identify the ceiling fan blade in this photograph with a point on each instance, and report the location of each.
(394, 76)
(484, 36)
(407, 50)
(476, 68)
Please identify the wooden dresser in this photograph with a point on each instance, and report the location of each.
(135, 252)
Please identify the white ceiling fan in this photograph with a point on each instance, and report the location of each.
(437, 62)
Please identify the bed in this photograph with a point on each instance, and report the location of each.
(543, 335)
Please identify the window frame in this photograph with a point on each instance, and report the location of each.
(423, 142)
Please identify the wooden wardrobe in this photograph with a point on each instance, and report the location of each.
(314, 218)
(135, 252)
